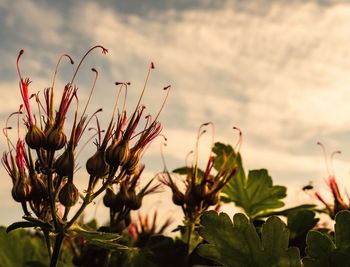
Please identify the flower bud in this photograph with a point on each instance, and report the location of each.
(68, 195)
(109, 198)
(96, 165)
(35, 137)
(64, 164)
(117, 154)
(55, 139)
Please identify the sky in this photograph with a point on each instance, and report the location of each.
(278, 70)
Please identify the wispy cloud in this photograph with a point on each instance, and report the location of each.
(278, 70)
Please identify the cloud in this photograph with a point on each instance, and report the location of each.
(279, 71)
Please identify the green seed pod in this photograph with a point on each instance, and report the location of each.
(55, 139)
(109, 198)
(35, 137)
(64, 164)
(96, 165)
(68, 195)
(21, 191)
(117, 154)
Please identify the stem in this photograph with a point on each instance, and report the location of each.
(56, 250)
(52, 199)
(190, 229)
(48, 243)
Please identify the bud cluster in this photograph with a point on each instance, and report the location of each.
(202, 188)
(127, 198)
(42, 165)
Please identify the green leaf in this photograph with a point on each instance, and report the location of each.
(100, 239)
(321, 251)
(238, 244)
(286, 212)
(17, 225)
(187, 170)
(300, 222)
(20, 246)
(255, 194)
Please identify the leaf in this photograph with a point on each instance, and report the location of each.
(187, 170)
(300, 222)
(286, 212)
(238, 244)
(100, 239)
(255, 194)
(321, 251)
(17, 225)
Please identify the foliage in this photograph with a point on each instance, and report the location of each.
(244, 247)
(322, 251)
(27, 249)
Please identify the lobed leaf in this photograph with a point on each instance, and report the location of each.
(238, 244)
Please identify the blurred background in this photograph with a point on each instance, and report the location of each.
(278, 70)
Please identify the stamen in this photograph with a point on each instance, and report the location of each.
(145, 84)
(325, 157)
(167, 88)
(91, 91)
(331, 161)
(125, 84)
(104, 51)
(57, 66)
(240, 139)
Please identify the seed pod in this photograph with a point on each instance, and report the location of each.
(39, 190)
(21, 190)
(200, 191)
(35, 137)
(64, 164)
(212, 198)
(132, 166)
(96, 165)
(109, 198)
(117, 154)
(127, 220)
(68, 195)
(118, 227)
(119, 202)
(55, 139)
(134, 201)
(178, 198)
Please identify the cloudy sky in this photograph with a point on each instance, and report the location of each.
(279, 70)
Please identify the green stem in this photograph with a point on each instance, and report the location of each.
(189, 234)
(48, 242)
(56, 249)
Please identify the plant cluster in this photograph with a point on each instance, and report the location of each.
(43, 167)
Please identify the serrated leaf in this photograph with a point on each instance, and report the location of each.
(321, 251)
(238, 244)
(256, 193)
